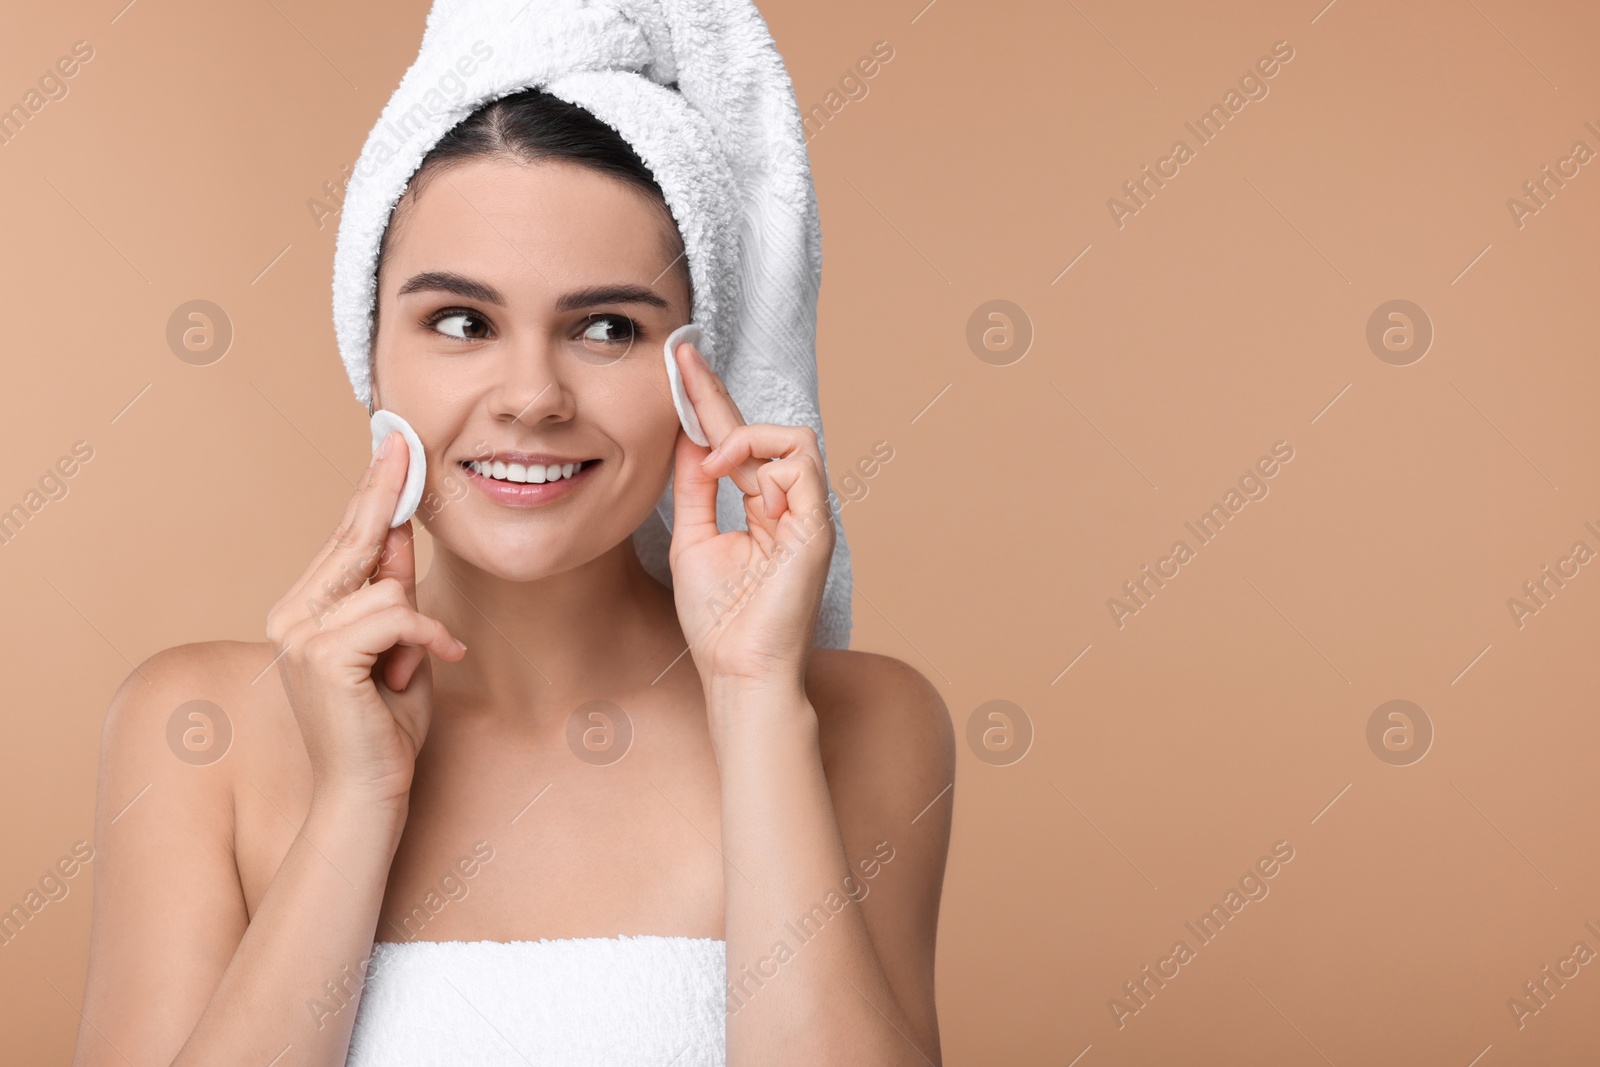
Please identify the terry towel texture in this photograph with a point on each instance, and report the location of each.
(698, 88)
(583, 1002)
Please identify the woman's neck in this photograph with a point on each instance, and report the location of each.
(538, 649)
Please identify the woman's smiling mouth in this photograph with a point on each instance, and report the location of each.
(526, 479)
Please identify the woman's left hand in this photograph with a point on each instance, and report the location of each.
(748, 600)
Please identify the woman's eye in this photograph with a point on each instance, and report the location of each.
(463, 325)
(610, 330)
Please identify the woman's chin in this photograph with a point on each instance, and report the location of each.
(521, 554)
(525, 562)
(520, 564)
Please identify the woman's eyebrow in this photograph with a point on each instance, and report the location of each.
(447, 282)
(460, 285)
(610, 294)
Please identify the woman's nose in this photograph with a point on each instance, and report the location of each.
(529, 385)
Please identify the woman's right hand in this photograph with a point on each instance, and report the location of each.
(353, 656)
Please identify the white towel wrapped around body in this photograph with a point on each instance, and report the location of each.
(578, 1002)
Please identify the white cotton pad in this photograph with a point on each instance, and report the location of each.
(680, 398)
(384, 423)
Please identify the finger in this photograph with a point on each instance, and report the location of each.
(294, 593)
(374, 634)
(325, 612)
(398, 561)
(356, 554)
(777, 478)
(714, 407)
(750, 442)
(795, 495)
(694, 497)
(400, 664)
(762, 441)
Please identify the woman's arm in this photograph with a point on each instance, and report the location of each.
(178, 973)
(835, 840)
(833, 977)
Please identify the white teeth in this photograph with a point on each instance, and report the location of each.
(533, 473)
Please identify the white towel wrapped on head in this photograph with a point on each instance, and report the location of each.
(698, 88)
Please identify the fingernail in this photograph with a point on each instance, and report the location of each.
(707, 461)
(383, 446)
(694, 351)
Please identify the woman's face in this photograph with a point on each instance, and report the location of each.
(522, 312)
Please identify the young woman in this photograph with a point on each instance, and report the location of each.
(523, 809)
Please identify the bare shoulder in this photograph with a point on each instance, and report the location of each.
(178, 716)
(189, 739)
(218, 673)
(889, 754)
(880, 716)
(172, 746)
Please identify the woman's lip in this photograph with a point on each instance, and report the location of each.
(528, 458)
(528, 494)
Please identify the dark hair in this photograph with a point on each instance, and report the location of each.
(534, 125)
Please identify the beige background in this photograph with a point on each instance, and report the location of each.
(1225, 316)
